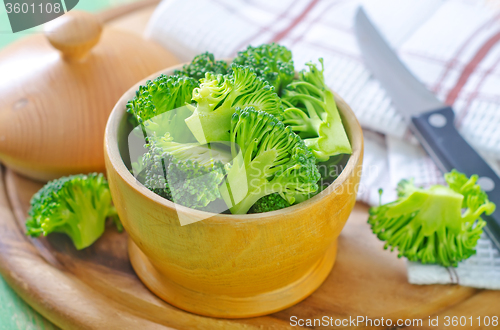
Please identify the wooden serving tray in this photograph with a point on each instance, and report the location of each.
(97, 288)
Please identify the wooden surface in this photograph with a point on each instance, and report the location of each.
(89, 288)
(16, 314)
(361, 292)
(55, 97)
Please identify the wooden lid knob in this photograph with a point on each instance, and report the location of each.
(74, 34)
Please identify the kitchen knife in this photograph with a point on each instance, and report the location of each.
(431, 121)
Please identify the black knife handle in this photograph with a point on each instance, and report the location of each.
(439, 137)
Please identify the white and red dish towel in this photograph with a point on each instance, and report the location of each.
(453, 46)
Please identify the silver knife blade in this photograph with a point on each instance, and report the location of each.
(408, 94)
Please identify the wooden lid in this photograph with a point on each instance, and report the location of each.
(58, 88)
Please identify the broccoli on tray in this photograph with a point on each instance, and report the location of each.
(312, 113)
(76, 205)
(428, 225)
(267, 158)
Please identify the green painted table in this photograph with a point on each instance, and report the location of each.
(14, 312)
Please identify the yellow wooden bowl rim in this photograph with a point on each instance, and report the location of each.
(111, 144)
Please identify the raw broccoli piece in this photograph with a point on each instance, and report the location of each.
(76, 205)
(272, 62)
(159, 96)
(269, 203)
(276, 202)
(428, 225)
(328, 171)
(312, 113)
(172, 122)
(201, 64)
(219, 95)
(267, 158)
(185, 173)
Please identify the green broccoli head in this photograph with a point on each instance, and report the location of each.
(76, 205)
(268, 158)
(272, 62)
(219, 95)
(474, 196)
(312, 113)
(159, 96)
(202, 64)
(269, 203)
(329, 171)
(428, 225)
(188, 174)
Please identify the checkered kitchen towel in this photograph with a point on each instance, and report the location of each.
(453, 46)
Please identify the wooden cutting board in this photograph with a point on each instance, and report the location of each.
(97, 288)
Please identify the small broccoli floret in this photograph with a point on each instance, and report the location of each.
(201, 64)
(219, 95)
(187, 174)
(268, 158)
(76, 205)
(428, 225)
(269, 203)
(312, 113)
(159, 96)
(272, 62)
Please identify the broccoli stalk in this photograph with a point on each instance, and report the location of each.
(272, 62)
(185, 173)
(267, 158)
(312, 113)
(201, 64)
(427, 225)
(218, 96)
(158, 96)
(76, 205)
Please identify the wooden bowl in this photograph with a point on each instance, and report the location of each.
(230, 266)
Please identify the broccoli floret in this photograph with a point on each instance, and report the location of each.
(172, 122)
(272, 62)
(185, 173)
(159, 96)
(218, 96)
(428, 225)
(312, 113)
(76, 205)
(269, 203)
(267, 158)
(329, 171)
(201, 64)
(276, 202)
